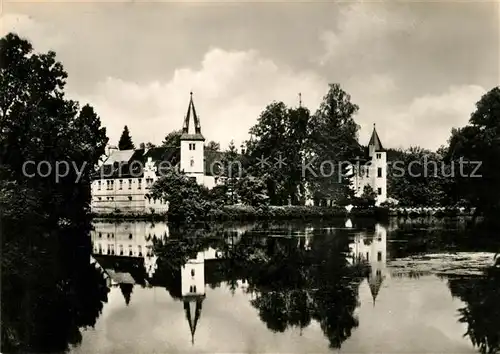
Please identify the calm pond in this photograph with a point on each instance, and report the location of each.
(350, 286)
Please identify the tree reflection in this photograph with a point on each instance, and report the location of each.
(48, 296)
(293, 280)
(481, 295)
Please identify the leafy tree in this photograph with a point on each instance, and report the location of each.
(173, 139)
(213, 145)
(269, 144)
(252, 191)
(416, 178)
(188, 201)
(125, 142)
(479, 142)
(368, 198)
(38, 124)
(45, 218)
(333, 141)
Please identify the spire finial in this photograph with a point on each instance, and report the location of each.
(373, 125)
(191, 94)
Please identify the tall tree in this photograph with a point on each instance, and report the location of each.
(477, 145)
(333, 142)
(125, 142)
(267, 149)
(45, 212)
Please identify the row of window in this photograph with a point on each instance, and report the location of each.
(112, 235)
(379, 172)
(367, 258)
(121, 252)
(110, 184)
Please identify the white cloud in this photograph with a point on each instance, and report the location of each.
(42, 36)
(230, 90)
(427, 120)
(361, 34)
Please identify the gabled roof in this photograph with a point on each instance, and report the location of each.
(375, 141)
(117, 167)
(191, 113)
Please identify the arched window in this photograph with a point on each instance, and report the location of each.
(192, 272)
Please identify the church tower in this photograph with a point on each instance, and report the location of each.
(192, 145)
(378, 158)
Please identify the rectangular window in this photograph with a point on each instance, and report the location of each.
(379, 172)
(129, 184)
(379, 256)
(121, 184)
(111, 185)
(194, 146)
(380, 191)
(379, 156)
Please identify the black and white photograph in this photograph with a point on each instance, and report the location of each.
(278, 177)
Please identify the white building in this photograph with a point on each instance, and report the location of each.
(134, 240)
(372, 170)
(124, 177)
(372, 250)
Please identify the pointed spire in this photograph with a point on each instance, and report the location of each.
(375, 140)
(189, 315)
(187, 120)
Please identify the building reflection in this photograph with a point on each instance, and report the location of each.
(193, 286)
(130, 240)
(370, 248)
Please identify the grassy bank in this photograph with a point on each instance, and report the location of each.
(249, 213)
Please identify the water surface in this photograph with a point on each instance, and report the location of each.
(355, 287)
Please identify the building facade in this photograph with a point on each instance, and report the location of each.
(372, 170)
(123, 180)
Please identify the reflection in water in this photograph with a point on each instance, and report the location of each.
(481, 312)
(297, 278)
(49, 296)
(372, 250)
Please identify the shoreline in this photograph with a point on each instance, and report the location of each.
(297, 212)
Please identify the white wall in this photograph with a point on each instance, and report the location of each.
(193, 276)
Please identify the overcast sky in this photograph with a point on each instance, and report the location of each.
(415, 69)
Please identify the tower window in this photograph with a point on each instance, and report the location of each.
(380, 191)
(379, 256)
(192, 272)
(139, 181)
(99, 185)
(129, 184)
(379, 172)
(379, 156)
(192, 162)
